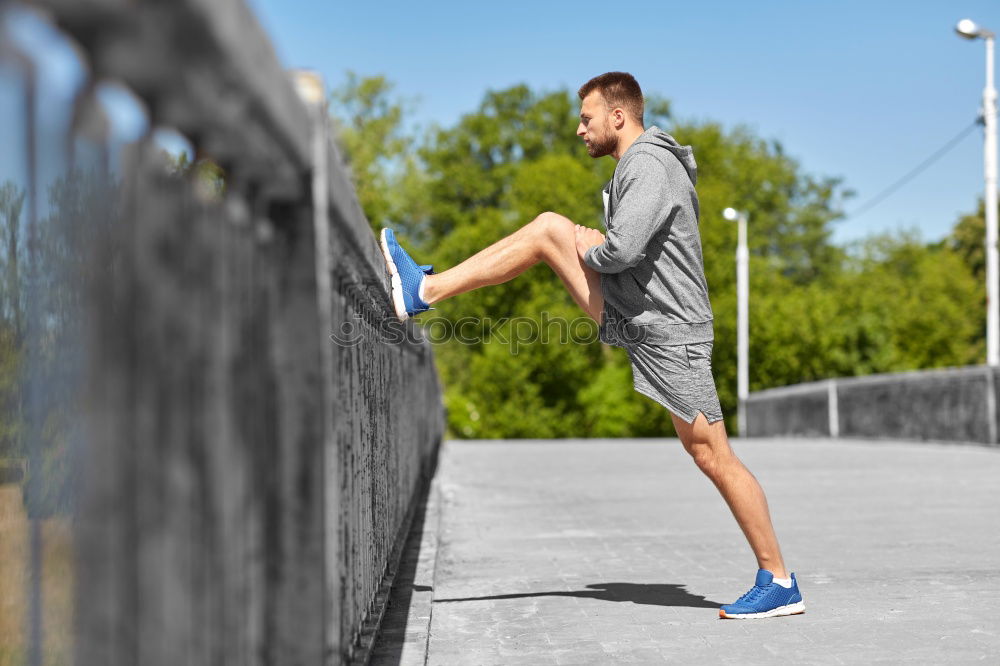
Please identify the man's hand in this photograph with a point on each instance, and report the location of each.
(587, 238)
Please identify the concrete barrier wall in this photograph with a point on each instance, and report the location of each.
(246, 480)
(949, 404)
(802, 411)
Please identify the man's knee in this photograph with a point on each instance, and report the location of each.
(704, 456)
(710, 457)
(554, 227)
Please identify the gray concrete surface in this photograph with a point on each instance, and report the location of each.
(606, 552)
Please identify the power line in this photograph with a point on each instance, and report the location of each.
(913, 173)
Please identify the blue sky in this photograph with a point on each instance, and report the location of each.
(860, 90)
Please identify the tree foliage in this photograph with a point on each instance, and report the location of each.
(967, 240)
(370, 129)
(11, 318)
(44, 268)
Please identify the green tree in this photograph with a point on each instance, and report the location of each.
(926, 300)
(968, 239)
(58, 265)
(368, 123)
(11, 318)
(897, 304)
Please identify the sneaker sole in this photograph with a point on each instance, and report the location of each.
(397, 284)
(790, 609)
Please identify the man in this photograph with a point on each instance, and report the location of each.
(644, 283)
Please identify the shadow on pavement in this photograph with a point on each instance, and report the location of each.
(650, 594)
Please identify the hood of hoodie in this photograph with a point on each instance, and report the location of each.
(656, 137)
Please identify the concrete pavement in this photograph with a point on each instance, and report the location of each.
(620, 551)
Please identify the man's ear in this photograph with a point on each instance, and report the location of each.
(618, 117)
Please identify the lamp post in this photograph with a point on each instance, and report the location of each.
(742, 314)
(970, 30)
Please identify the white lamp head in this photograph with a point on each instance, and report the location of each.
(967, 28)
(730, 214)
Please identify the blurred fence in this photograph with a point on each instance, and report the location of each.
(205, 477)
(949, 404)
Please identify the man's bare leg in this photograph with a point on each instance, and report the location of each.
(550, 238)
(709, 446)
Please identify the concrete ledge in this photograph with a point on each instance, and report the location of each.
(943, 404)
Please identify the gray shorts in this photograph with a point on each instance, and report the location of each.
(679, 377)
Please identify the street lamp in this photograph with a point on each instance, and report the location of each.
(742, 314)
(969, 30)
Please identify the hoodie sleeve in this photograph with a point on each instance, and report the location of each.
(645, 202)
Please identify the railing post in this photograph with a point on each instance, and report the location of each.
(991, 405)
(833, 409)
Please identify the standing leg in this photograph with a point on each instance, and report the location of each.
(550, 238)
(709, 446)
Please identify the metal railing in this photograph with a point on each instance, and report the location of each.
(234, 485)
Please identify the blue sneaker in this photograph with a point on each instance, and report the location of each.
(766, 599)
(406, 277)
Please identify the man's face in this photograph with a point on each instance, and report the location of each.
(595, 126)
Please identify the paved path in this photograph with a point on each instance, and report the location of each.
(619, 551)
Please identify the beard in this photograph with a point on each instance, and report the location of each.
(604, 144)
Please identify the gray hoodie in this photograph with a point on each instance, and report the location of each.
(652, 273)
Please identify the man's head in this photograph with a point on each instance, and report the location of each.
(610, 105)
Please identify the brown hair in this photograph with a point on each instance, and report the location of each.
(619, 89)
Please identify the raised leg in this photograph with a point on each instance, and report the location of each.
(550, 238)
(709, 446)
